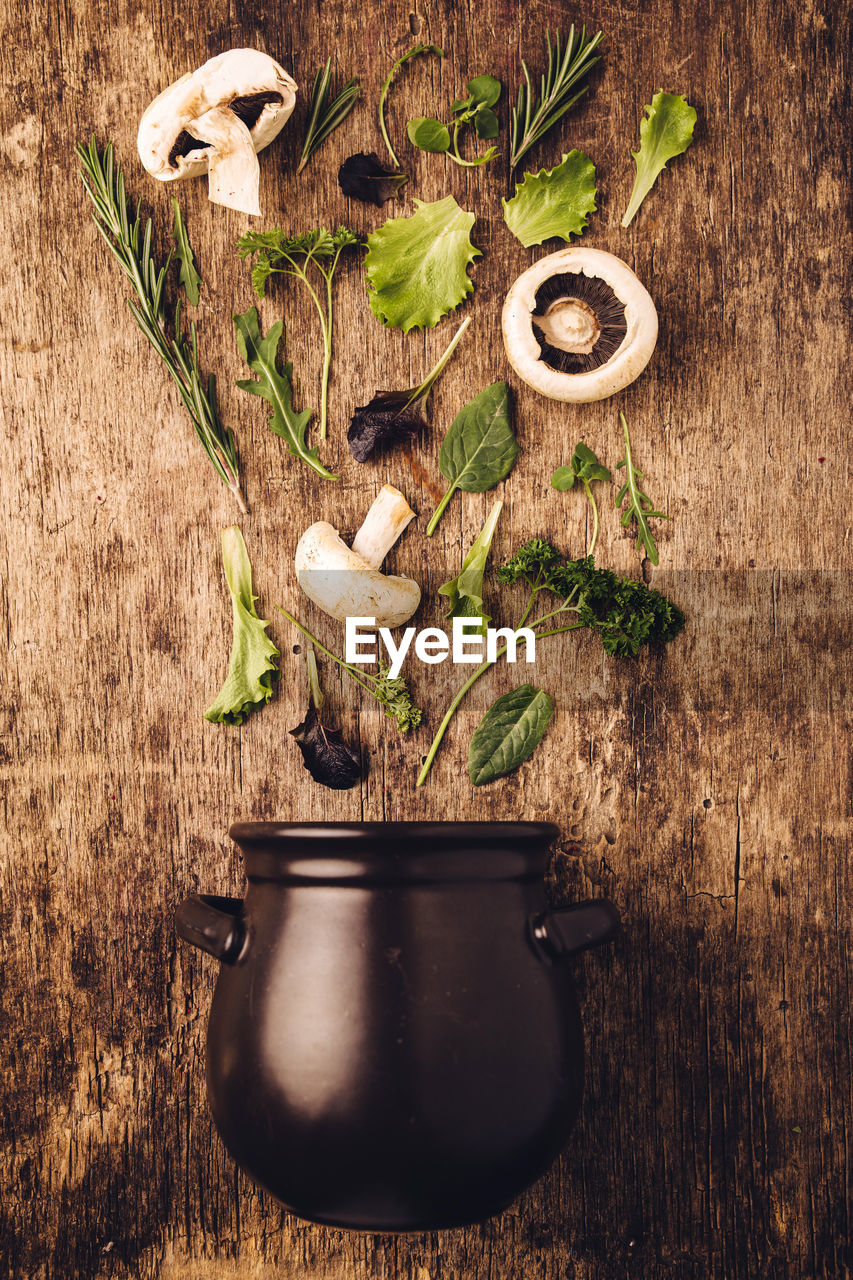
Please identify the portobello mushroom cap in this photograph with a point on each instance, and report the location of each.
(214, 120)
(578, 325)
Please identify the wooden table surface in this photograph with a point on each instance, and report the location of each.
(705, 790)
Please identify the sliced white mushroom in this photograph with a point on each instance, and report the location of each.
(578, 325)
(346, 582)
(214, 120)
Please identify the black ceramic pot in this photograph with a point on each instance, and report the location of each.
(394, 1041)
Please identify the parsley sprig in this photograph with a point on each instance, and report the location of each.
(132, 248)
(566, 67)
(624, 613)
(325, 116)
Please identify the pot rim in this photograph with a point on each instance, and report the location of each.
(394, 852)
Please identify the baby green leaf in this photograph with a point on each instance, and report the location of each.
(509, 732)
(553, 202)
(664, 134)
(586, 468)
(484, 89)
(486, 123)
(260, 354)
(640, 506)
(479, 449)
(465, 591)
(427, 134)
(416, 268)
(252, 669)
(189, 277)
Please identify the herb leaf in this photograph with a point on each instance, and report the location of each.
(640, 505)
(251, 670)
(324, 116)
(553, 202)
(508, 733)
(665, 133)
(416, 268)
(326, 756)
(428, 135)
(532, 120)
(479, 449)
(586, 468)
(189, 277)
(465, 591)
(414, 52)
(365, 177)
(260, 354)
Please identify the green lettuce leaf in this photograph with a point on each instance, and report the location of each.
(251, 671)
(553, 202)
(465, 591)
(665, 134)
(416, 268)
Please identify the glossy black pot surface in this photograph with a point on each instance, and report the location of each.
(394, 1041)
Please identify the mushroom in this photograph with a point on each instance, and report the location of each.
(578, 325)
(346, 582)
(215, 120)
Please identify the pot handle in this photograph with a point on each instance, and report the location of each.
(212, 924)
(564, 931)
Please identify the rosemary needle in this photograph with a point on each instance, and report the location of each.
(565, 68)
(103, 180)
(323, 116)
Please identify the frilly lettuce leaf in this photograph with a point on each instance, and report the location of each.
(665, 133)
(416, 268)
(252, 669)
(553, 202)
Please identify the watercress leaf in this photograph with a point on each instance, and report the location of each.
(365, 177)
(326, 756)
(460, 104)
(553, 202)
(486, 123)
(428, 135)
(586, 466)
(509, 733)
(485, 89)
(391, 417)
(563, 479)
(416, 268)
(251, 670)
(189, 277)
(665, 132)
(465, 591)
(260, 354)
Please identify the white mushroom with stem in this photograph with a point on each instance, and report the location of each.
(578, 325)
(347, 582)
(214, 120)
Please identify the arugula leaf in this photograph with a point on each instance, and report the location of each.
(364, 177)
(251, 670)
(189, 277)
(416, 268)
(479, 449)
(664, 134)
(260, 355)
(553, 202)
(508, 733)
(586, 468)
(465, 591)
(640, 505)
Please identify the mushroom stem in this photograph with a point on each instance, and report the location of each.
(384, 523)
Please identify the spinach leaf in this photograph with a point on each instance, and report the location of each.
(479, 449)
(508, 733)
(252, 669)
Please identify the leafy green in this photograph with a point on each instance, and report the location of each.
(251, 670)
(465, 591)
(479, 449)
(508, 733)
(189, 277)
(260, 354)
(476, 110)
(364, 177)
(416, 268)
(553, 202)
(392, 694)
(428, 135)
(325, 116)
(329, 760)
(665, 132)
(532, 120)
(414, 52)
(586, 468)
(279, 253)
(640, 506)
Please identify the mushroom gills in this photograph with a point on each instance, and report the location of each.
(578, 321)
(248, 109)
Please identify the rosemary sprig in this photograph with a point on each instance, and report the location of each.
(640, 506)
(131, 247)
(324, 116)
(414, 52)
(565, 68)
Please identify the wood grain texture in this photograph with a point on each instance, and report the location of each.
(707, 791)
